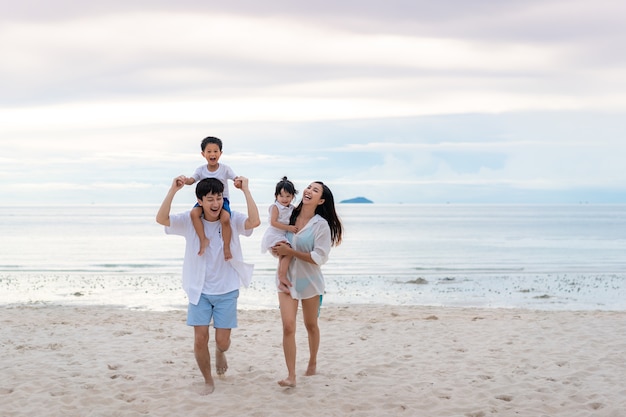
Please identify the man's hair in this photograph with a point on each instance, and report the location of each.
(211, 139)
(209, 186)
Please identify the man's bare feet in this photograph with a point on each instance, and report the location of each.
(288, 383)
(221, 365)
(204, 243)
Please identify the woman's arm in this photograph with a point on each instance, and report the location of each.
(284, 249)
(321, 246)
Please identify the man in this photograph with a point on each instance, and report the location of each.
(211, 283)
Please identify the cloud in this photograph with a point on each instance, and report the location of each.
(403, 100)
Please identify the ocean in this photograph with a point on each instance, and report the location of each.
(548, 257)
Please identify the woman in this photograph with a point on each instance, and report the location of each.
(319, 229)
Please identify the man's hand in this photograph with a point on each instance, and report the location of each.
(253, 219)
(163, 215)
(178, 182)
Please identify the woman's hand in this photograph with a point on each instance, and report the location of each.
(281, 248)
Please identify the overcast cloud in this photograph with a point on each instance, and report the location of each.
(398, 101)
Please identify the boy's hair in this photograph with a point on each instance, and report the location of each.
(211, 139)
(209, 186)
(285, 184)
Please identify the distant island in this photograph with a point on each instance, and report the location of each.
(357, 200)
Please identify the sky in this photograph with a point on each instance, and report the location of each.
(398, 101)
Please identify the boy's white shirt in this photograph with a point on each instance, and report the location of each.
(222, 173)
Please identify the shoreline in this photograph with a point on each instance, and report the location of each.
(162, 292)
(373, 360)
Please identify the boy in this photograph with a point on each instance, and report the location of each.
(212, 151)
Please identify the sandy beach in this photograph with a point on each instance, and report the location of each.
(374, 360)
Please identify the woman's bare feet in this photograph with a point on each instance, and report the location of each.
(311, 370)
(207, 388)
(288, 383)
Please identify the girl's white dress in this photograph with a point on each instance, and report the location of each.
(273, 235)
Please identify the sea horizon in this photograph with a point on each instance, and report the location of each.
(538, 256)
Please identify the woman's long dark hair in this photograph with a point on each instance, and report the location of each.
(327, 211)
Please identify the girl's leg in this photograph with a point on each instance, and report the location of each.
(283, 266)
(310, 311)
(196, 220)
(227, 233)
(288, 311)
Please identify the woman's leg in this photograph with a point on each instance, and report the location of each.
(288, 311)
(310, 311)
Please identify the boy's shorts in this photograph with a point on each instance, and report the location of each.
(226, 205)
(221, 308)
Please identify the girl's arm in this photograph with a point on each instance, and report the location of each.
(275, 223)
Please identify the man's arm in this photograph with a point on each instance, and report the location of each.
(253, 220)
(163, 215)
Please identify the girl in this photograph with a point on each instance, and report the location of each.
(279, 214)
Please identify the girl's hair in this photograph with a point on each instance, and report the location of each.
(285, 184)
(327, 211)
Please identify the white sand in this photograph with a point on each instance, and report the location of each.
(374, 361)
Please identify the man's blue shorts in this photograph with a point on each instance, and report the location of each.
(221, 308)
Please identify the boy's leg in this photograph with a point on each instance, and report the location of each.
(196, 219)
(227, 233)
(283, 266)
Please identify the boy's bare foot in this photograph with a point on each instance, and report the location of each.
(221, 365)
(204, 243)
(287, 383)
